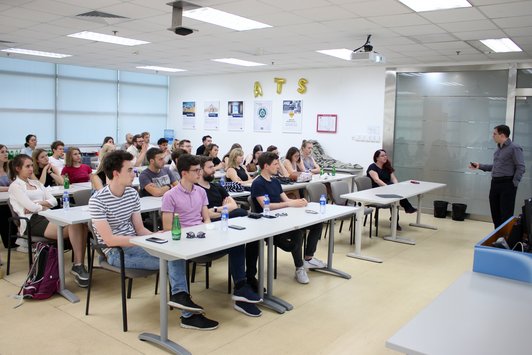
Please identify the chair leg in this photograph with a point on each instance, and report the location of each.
(157, 282)
(228, 277)
(123, 292)
(9, 246)
(193, 276)
(377, 222)
(129, 287)
(187, 274)
(370, 226)
(341, 225)
(91, 267)
(207, 266)
(275, 262)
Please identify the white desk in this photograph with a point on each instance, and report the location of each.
(217, 240)
(76, 215)
(326, 178)
(477, 314)
(56, 191)
(402, 190)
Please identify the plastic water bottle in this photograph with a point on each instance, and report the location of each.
(266, 208)
(176, 227)
(66, 200)
(225, 219)
(222, 181)
(323, 202)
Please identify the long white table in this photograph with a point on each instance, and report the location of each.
(389, 195)
(325, 178)
(56, 191)
(478, 314)
(218, 240)
(76, 215)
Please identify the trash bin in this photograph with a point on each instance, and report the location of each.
(459, 210)
(440, 209)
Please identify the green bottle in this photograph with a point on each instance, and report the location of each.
(334, 170)
(10, 155)
(66, 182)
(321, 171)
(176, 228)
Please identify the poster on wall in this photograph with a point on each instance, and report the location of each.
(262, 116)
(235, 115)
(211, 115)
(292, 120)
(189, 114)
(326, 123)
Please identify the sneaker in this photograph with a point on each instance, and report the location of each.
(246, 294)
(79, 271)
(301, 275)
(198, 322)
(183, 301)
(314, 263)
(22, 249)
(249, 309)
(81, 283)
(411, 210)
(399, 228)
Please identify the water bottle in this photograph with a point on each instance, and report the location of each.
(334, 170)
(66, 200)
(323, 202)
(66, 182)
(266, 208)
(225, 219)
(222, 181)
(176, 228)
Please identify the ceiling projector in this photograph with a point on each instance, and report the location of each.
(372, 57)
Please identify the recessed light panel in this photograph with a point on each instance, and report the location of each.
(100, 37)
(432, 5)
(224, 19)
(36, 53)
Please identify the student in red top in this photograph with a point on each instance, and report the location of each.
(76, 171)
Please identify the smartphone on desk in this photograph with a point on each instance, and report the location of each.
(156, 240)
(234, 226)
(269, 216)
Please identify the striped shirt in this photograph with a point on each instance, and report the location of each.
(103, 205)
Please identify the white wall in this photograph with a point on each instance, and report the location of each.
(356, 95)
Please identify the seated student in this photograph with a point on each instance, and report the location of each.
(173, 167)
(175, 145)
(5, 181)
(205, 140)
(235, 171)
(77, 172)
(43, 171)
(107, 146)
(156, 179)
(162, 143)
(190, 202)
(185, 145)
(128, 142)
(138, 149)
(292, 161)
(290, 241)
(58, 151)
(225, 158)
(251, 161)
(29, 145)
(28, 197)
(381, 174)
(115, 213)
(212, 152)
(98, 178)
(306, 157)
(146, 136)
(217, 196)
(282, 170)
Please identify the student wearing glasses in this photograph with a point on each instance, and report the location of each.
(190, 202)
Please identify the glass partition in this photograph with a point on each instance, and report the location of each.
(523, 137)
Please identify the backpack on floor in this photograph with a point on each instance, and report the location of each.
(43, 279)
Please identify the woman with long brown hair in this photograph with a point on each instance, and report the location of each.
(43, 171)
(77, 172)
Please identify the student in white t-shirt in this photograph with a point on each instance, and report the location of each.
(58, 152)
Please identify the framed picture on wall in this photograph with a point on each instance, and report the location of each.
(326, 123)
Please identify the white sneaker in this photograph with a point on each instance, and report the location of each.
(301, 275)
(314, 264)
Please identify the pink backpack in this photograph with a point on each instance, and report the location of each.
(43, 279)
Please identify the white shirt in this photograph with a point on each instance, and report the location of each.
(58, 163)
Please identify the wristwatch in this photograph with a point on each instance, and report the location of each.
(215, 209)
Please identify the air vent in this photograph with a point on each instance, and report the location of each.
(99, 14)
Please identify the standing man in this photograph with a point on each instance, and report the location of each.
(115, 213)
(206, 141)
(58, 151)
(138, 149)
(190, 202)
(157, 179)
(506, 171)
(307, 159)
(128, 142)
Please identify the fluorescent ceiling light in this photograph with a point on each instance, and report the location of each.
(501, 45)
(431, 5)
(100, 37)
(342, 53)
(36, 53)
(153, 67)
(235, 61)
(224, 19)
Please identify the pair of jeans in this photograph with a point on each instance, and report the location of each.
(137, 258)
(313, 237)
(237, 262)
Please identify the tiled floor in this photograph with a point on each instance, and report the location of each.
(331, 315)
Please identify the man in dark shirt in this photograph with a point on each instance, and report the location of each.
(206, 141)
(506, 171)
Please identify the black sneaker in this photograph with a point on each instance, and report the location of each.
(249, 309)
(198, 322)
(81, 283)
(246, 294)
(80, 272)
(183, 301)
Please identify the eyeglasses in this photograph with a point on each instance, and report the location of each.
(197, 171)
(191, 235)
(282, 214)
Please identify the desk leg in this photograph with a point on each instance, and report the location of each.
(61, 264)
(358, 238)
(270, 301)
(394, 237)
(162, 340)
(154, 221)
(418, 216)
(329, 269)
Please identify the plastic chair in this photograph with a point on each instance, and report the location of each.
(364, 183)
(82, 197)
(314, 192)
(125, 273)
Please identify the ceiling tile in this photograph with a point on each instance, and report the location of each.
(469, 26)
(507, 9)
(399, 20)
(418, 30)
(453, 15)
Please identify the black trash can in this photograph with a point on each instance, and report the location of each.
(459, 210)
(440, 209)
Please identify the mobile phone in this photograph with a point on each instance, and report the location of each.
(414, 182)
(269, 216)
(156, 240)
(311, 211)
(473, 164)
(234, 226)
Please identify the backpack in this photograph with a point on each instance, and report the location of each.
(43, 278)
